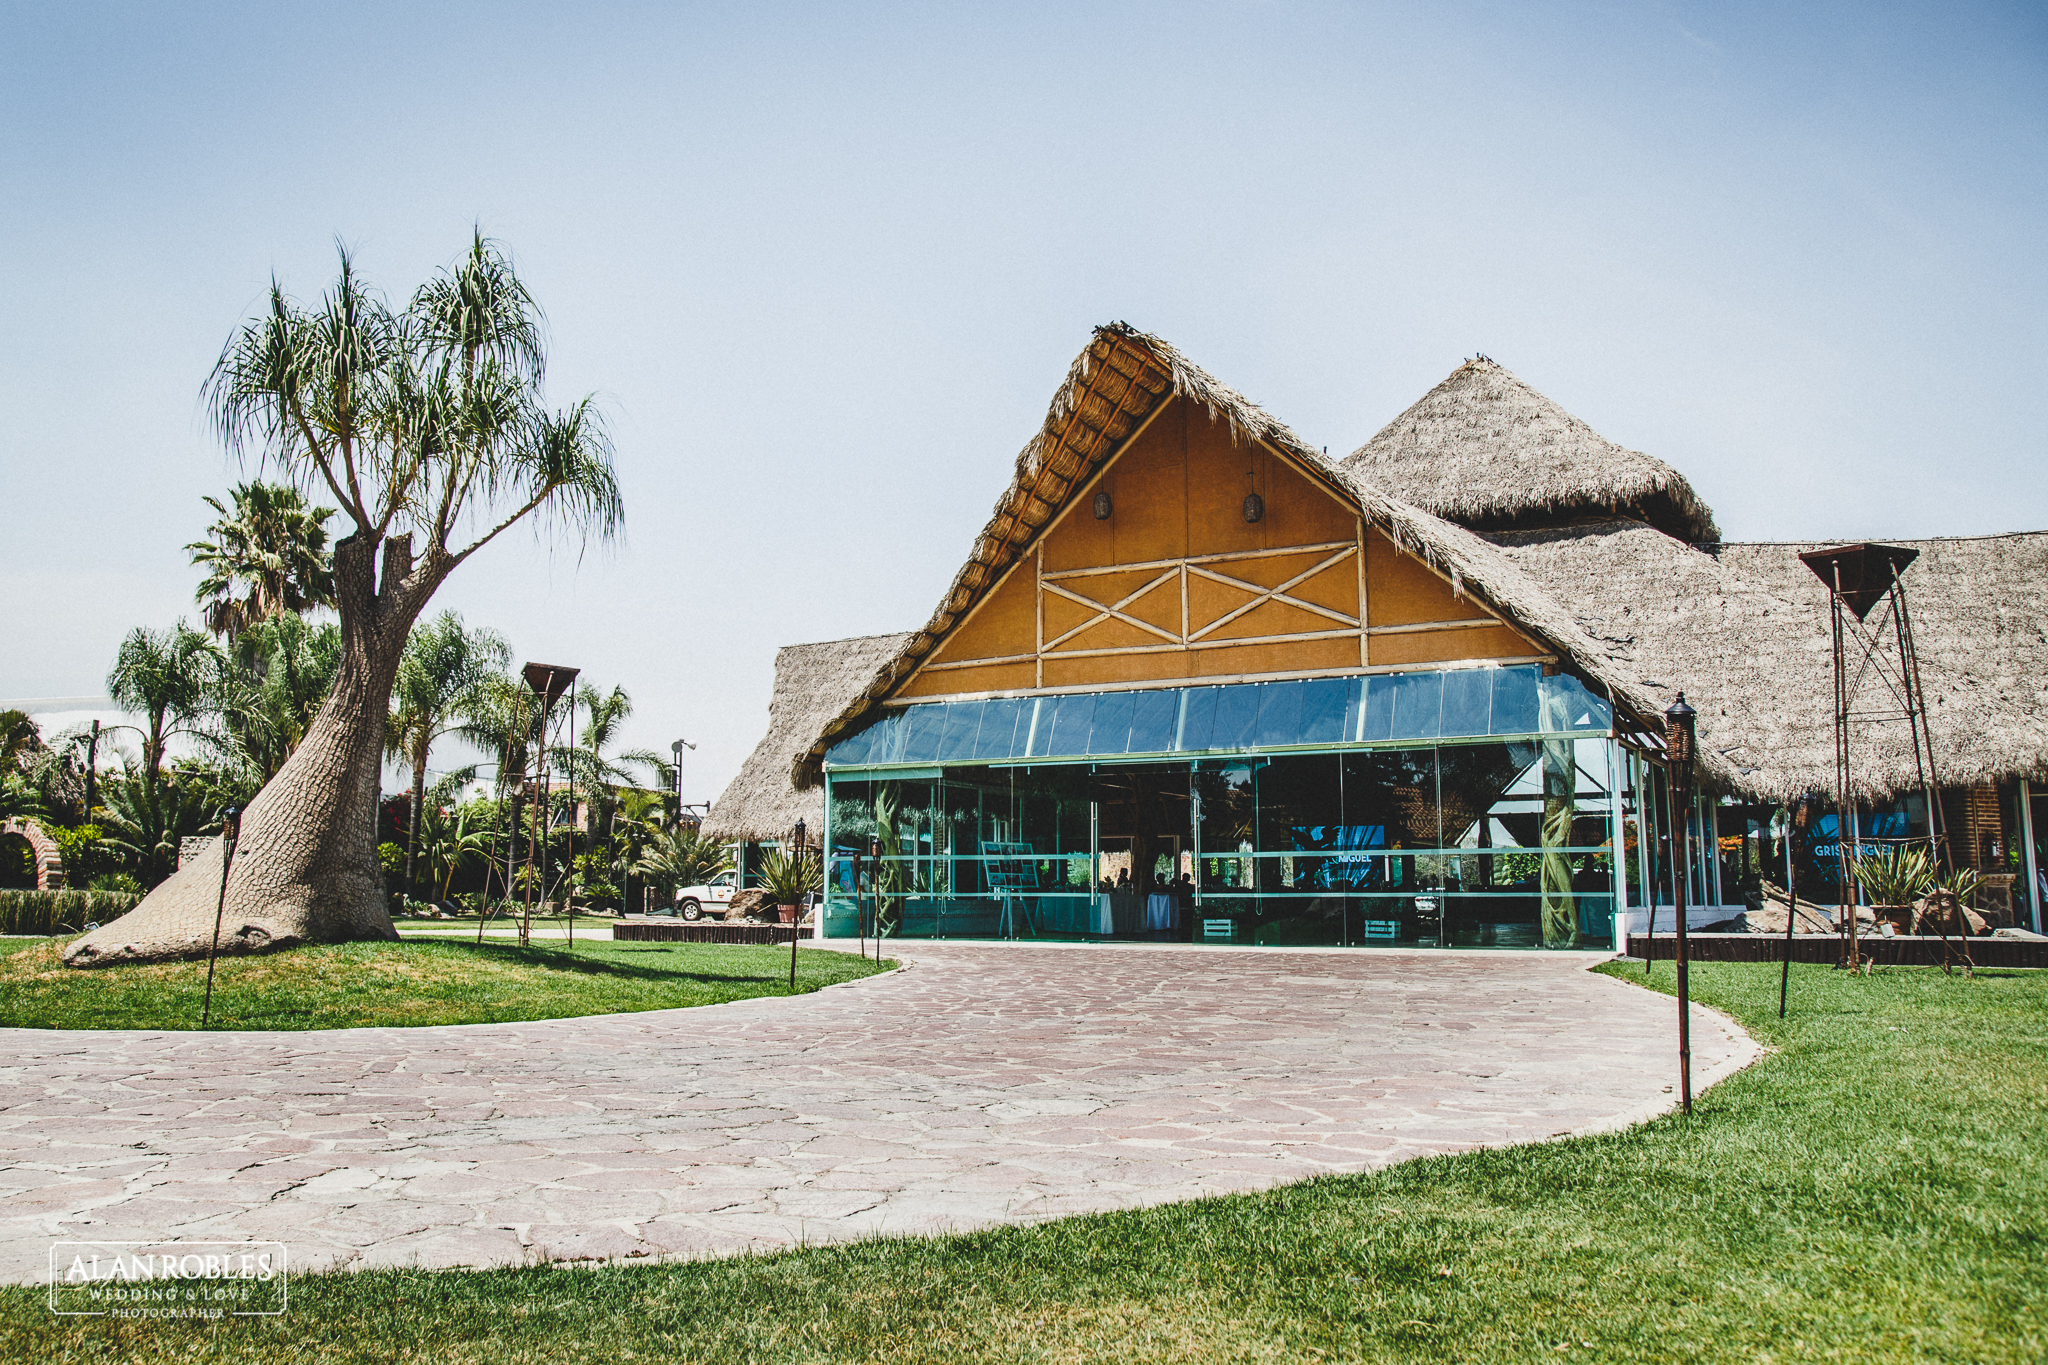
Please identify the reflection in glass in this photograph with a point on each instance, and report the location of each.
(1110, 730)
(1152, 721)
(1467, 702)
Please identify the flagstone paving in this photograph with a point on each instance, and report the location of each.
(983, 1084)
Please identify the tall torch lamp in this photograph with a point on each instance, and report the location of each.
(1681, 749)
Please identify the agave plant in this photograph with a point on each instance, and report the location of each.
(790, 875)
(1960, 882)
(1895, 876)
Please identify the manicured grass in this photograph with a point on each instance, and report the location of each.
(419, 981)
(1873, 1192)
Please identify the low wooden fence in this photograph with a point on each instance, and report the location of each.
(1903, 950)
(634, 930)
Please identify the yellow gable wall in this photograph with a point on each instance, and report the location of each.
(1176, 584)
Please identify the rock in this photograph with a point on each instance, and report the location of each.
(1770, 919)
(1944, 912)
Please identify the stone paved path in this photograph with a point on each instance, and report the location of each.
(985, 1084)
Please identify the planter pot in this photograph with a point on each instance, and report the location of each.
(787, 913)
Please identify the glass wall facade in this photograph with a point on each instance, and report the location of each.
(1464, 808)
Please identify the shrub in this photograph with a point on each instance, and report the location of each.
(60, 912)
(85, 853)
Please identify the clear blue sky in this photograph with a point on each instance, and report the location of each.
(826, 264)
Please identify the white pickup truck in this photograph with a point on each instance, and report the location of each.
(712, 898)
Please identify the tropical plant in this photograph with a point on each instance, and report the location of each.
(19, 800)
(1960, 882)
(503, 719)
(165, 676)
(681, 857)
(267, 558)
(593, 879)
(277, 677)
(84, 851)
(589, 761)
(19, 739)
(636, 815)
(888, 874)
(425, 424)
(144, 823)
(1898, 875)
(790, 874)
(55, 774)
(451, 841)
(440, 677)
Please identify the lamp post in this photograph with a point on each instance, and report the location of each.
(677, 771)
(230, 833)
(802, 905)
(1680, 751)
(92, 762)
(860, 921)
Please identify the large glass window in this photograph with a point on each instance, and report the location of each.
(1489, 843)
(1457, 807)
(1379, 709)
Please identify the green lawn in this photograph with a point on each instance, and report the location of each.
(1874, 1191)
(419, 981)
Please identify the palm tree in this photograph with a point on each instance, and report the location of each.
(19, 800)
(637, 814)
(426, 425)
(272, 549)
(503, 720)
(277, 677)
(589, 763)
(681, 857)
(19, 738)
(439, 678)
(163, 675)
(450, 842)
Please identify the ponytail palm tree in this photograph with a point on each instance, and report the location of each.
(425, 425)
(440, 677)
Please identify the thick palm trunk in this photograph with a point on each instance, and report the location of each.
(305, 870)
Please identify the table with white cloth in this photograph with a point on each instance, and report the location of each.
(1159, 911)
(1105, 921)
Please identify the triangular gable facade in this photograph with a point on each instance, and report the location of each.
(1155, 571)
(1179, 582)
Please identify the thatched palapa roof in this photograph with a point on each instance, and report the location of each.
(1743, 630)
(813, 683)
(1492, 484)
(1485, 450)
(1120, 377)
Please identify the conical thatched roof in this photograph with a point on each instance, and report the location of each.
(1485, 450)
(813, 683)
(1743, 629)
